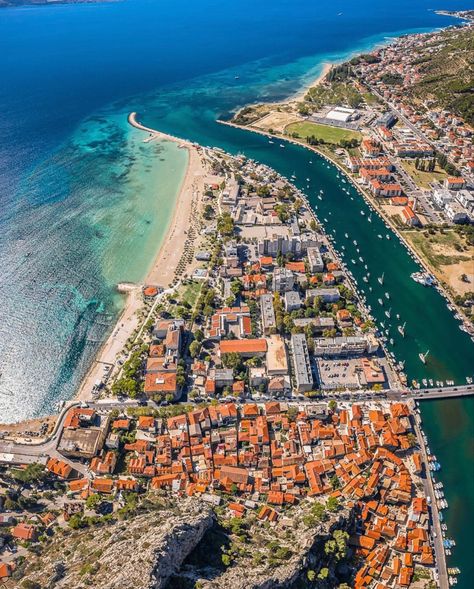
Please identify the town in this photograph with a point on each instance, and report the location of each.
(218, 399)
(383, 118)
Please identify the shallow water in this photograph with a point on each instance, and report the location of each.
(84, 202)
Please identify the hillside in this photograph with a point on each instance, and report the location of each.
(447, 73)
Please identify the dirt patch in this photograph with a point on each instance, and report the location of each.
(452, 275)
(36, 429)
(277, 121)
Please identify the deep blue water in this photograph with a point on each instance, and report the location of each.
(70, 169)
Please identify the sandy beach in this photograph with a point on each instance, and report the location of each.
(301, 93)
(164, 266)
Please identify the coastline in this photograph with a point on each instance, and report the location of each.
(163, 268)
(369, 200)
(299, 95)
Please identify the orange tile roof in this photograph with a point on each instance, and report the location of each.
(243, 346)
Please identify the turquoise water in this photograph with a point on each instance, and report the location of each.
(97, 221)
(84, 202)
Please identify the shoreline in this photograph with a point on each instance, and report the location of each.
(299, 95)
(372, 203)
(161, 271)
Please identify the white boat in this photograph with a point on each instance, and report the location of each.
(346, 235)
(387, 236)
(271, 142)
(388, 313)
(381, 278)
(391, 341)
(379, 236)
(353, 261)
(401, 329)
(365, 279)
(361, 259)
(431, 382)
(380, 301)
(319, 197)
(423, 278)
(423, 357)
(387, 296)
(369, 218)
(362, 213)
(354, 242)
(281, 145)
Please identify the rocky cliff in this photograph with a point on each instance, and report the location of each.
(185, 546)
(141, 552)
(274, 558)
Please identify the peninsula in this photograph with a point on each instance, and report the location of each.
(252, 403)
(245, 424)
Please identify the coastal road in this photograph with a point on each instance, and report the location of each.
(440, 556)
(49, 446)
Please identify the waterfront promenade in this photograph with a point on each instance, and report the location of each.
(440, 556)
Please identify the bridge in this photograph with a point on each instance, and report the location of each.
(442, 392)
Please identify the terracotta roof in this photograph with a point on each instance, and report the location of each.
(243, 346)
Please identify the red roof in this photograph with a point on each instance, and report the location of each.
(243, 346)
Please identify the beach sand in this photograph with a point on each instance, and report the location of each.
(302, 93)
(164, 266)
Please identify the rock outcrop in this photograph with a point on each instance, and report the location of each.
(141, 552)
(307, 554)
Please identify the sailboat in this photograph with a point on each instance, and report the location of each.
(369, 218)
(387, 296)
(423, 356)
(388, 313)
(380, 278)
(401, 329)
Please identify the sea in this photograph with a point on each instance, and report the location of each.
(85, 203)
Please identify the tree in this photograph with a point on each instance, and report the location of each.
(75, 522)
(29, 584)
(208, 212)
(332, 504)
(318, 511)
(194, 348)
(125, 386)
(412, 439)
(323, 574)
(225, 224)
(226, 560)
(33, 473)
(335, 482)
(311, 575)
(332, 405)
(93, 501)
(198, 335)
(232, 360)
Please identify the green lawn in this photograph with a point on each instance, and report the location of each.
(424, 179)
(370, 98)
(324, 132)
(190, 293)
